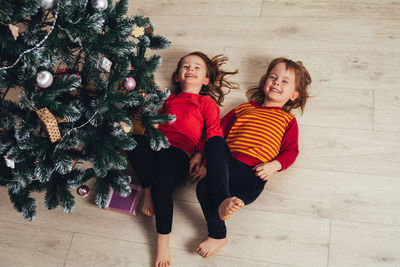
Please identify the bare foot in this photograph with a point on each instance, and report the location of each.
(147, 208)
(163, 257)
(229, 206)
(210, 246)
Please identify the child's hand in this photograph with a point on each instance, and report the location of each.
(195, 163)
(200, 174)
(266, 169)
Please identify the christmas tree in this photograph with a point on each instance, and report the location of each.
(85, 86)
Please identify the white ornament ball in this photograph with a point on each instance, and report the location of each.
(129, 83)
(9, 162)
(99, 5)
(47, 4)
(44, 79)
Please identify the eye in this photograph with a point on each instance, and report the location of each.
(272, 78)
(197, 68)
(285, 81)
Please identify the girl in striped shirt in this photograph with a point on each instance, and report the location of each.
(261, 138)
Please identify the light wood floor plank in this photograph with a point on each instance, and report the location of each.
(352, 151)
(262, 236)
(331, 107)
(108, 252)
(254, 235)
(339, 9)
(196, 8)
(325, 194)
(387, 110)
(362, 244)
(337, 195)
(26, 245)
(349, 35)
(112, 252)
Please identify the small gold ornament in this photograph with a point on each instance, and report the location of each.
(137, 32)
(50, 123)
(14, 31)
(125, 127)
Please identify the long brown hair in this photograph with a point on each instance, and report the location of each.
(302, 81)
(216, 75)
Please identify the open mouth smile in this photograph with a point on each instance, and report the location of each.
(275, 90)
(190, 75)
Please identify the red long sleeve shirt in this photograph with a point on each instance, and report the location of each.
(257, 134)
(195, 114)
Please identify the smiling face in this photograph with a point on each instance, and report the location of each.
(280, 86)
(192, 74)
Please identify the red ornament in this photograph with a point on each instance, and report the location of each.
(83, 190)
(129, 83)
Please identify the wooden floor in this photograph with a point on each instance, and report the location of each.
(338, 205)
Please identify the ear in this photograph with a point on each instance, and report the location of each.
(206, 81)
(295, 95)
(176, 78)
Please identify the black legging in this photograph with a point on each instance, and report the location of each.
(162, 171)
(226, 177)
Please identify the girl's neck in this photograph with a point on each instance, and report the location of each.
(192, 90)
(270, 104)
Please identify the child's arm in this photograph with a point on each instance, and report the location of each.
(211, 128)
(211, 118)
(195, 163)
(290, 146)
(287, 154)
(266, 169)
(200, 174)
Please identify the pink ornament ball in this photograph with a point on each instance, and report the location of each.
(129, 83)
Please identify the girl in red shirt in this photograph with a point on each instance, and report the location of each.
(261, 139)
(199, 83)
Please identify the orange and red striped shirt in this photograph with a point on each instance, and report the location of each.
(257, 134)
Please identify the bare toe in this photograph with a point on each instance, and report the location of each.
(163, 256)
(229, 206)
(209, 246)
(148, 208)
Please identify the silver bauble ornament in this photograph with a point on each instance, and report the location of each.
(44, 79)
(99, 5)
(47, 4)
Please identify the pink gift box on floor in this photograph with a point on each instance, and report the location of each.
(125, 204)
